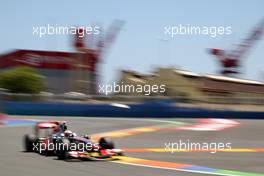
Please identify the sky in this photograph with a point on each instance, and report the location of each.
(141, 44)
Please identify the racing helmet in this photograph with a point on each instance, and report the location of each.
(68, 133)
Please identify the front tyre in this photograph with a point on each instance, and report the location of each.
(106, 143)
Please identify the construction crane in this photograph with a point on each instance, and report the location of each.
(103, 44)
(230, 61)
(92, 53)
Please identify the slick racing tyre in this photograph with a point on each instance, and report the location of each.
(106, 143)
(28, 142)
(62, 152)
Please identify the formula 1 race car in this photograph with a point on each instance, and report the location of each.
(53, 138)
(81, 147)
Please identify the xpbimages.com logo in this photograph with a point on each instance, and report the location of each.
(50, 146)
(187, 145)
(49, 29)
(212, 31)
(146, 89)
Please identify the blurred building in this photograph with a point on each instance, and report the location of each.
(192, 85)
(62, 71)
(68, 71)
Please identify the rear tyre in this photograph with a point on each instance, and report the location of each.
(29, 140)
(62, 153)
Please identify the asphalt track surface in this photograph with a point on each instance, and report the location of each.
(144, 145)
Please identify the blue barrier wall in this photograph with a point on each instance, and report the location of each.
(146, 109)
